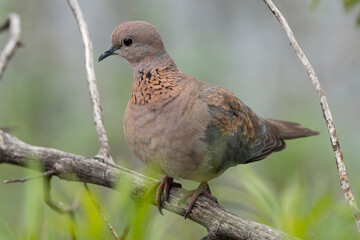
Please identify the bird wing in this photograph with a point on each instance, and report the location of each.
(235, 133)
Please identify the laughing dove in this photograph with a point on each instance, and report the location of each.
(183, 127)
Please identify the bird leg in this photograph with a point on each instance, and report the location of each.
(164, 189)
(204, 189)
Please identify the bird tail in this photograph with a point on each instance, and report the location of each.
(288, 130)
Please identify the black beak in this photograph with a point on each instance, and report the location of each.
(109, 52)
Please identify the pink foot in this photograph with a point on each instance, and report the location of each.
(163, 189)
(202, 189)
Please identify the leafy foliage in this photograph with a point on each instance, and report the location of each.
(350, 3)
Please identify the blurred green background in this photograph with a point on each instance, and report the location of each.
(237, 44)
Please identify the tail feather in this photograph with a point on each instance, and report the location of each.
(278, 131)
(289, 130)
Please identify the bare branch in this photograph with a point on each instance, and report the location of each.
(218, 221)
(101, 213)
(104, 148)
(13, 23)
(22, 180)
(345, 186)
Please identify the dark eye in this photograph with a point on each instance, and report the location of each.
(127, 41)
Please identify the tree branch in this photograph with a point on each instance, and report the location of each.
(344, 182)
(13, 23)
(220, 223)
(104, 148)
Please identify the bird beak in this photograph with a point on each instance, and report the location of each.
(109, 52)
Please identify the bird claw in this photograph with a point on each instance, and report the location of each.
(167, 186)
(194, 194)
(163, 189)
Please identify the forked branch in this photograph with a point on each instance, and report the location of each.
(104, 148)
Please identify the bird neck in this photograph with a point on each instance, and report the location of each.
(155, 81)
(160, 60)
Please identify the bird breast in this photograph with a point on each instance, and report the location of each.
(169, 139)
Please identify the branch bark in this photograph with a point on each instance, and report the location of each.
(344, 181)
(13, 23)
(221, 223)
(104, 148)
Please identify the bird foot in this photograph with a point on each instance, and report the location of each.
(204, 189)
(163, 189)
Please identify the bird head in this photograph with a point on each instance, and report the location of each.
(136, 41)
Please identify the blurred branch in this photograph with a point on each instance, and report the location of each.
(345, 186)
(104, 148)
(221, 223)
(101, 212)
(13, 24)
(126, 230)
(59, 207)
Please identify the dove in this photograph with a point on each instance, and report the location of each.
(185, 128)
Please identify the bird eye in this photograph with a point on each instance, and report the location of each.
(127, 41)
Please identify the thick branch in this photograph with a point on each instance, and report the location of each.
(13, 23)
(220, 223)
(345, 186)
(104, 148)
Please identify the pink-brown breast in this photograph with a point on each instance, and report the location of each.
(165, 131)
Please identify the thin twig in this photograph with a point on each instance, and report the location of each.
(59, 207)
(13, 23)
(104, 148)
(345, 186)
(22, 180)
(101, 213)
